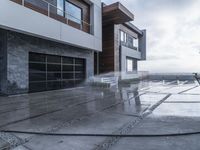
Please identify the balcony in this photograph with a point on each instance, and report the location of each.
(129, 45)
(51, 11)
(129, 52)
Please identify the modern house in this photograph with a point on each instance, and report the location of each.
(48, 44)
(123, 43)
(55, 44)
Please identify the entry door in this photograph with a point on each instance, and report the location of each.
(50, 72)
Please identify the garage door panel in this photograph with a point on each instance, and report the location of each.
(53, 76)
(68, 68)
(53, 85)
(37, 67)
(68, 84)
(37, 86)
(37, 76)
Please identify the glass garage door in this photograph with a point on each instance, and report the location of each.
(49, 72)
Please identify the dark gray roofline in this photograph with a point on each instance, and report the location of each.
(133, 27)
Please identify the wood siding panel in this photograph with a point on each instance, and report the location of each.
(17, 1)
(107, 55)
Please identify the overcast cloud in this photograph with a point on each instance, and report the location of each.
(173, 33)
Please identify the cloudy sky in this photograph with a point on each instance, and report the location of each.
(173, 33)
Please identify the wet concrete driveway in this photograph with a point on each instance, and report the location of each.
(86, 118)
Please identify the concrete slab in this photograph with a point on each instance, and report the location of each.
(178, 89)
(47, 106)
(21, 147)
(178, 110)
(101, 123)
(129, 108)
(103, 111)
(160, 143)
(63, 143)
(167, 125)
(195, 91)
(136, 106)
(4, 145)
(58, 119)
(179, 98)
(151, 98)
(159, 88)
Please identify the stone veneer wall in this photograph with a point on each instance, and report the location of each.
(3, 59)
(18, 48)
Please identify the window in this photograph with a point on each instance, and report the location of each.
(129, 65)
(135, 43)
(60, 6)
(73, 12)
(123, 36)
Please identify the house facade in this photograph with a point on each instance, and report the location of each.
(123, 43)
(47, 44)
(55, 44)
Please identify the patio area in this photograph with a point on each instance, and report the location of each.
(149, 115)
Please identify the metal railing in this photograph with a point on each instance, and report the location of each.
(65, 15)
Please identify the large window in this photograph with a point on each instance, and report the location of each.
(73, 12)
(69, 10)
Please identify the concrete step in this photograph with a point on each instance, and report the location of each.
(4, 145)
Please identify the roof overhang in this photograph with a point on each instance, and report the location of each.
(116, 13)
(133, 28)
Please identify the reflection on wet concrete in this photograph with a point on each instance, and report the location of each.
(98, 110)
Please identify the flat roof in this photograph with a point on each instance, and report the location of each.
(133, 27)
(116, 13)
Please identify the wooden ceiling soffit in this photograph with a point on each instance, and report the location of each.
(117, 14)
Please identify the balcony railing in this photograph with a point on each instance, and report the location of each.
(126, 44)
(50, 10)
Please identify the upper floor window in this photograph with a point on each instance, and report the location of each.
(135, 43)
(60, 7)
(123, 36)
(73, 12)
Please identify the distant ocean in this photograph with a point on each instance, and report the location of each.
(171, 76)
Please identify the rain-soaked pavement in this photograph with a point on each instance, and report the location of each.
(144, 116)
